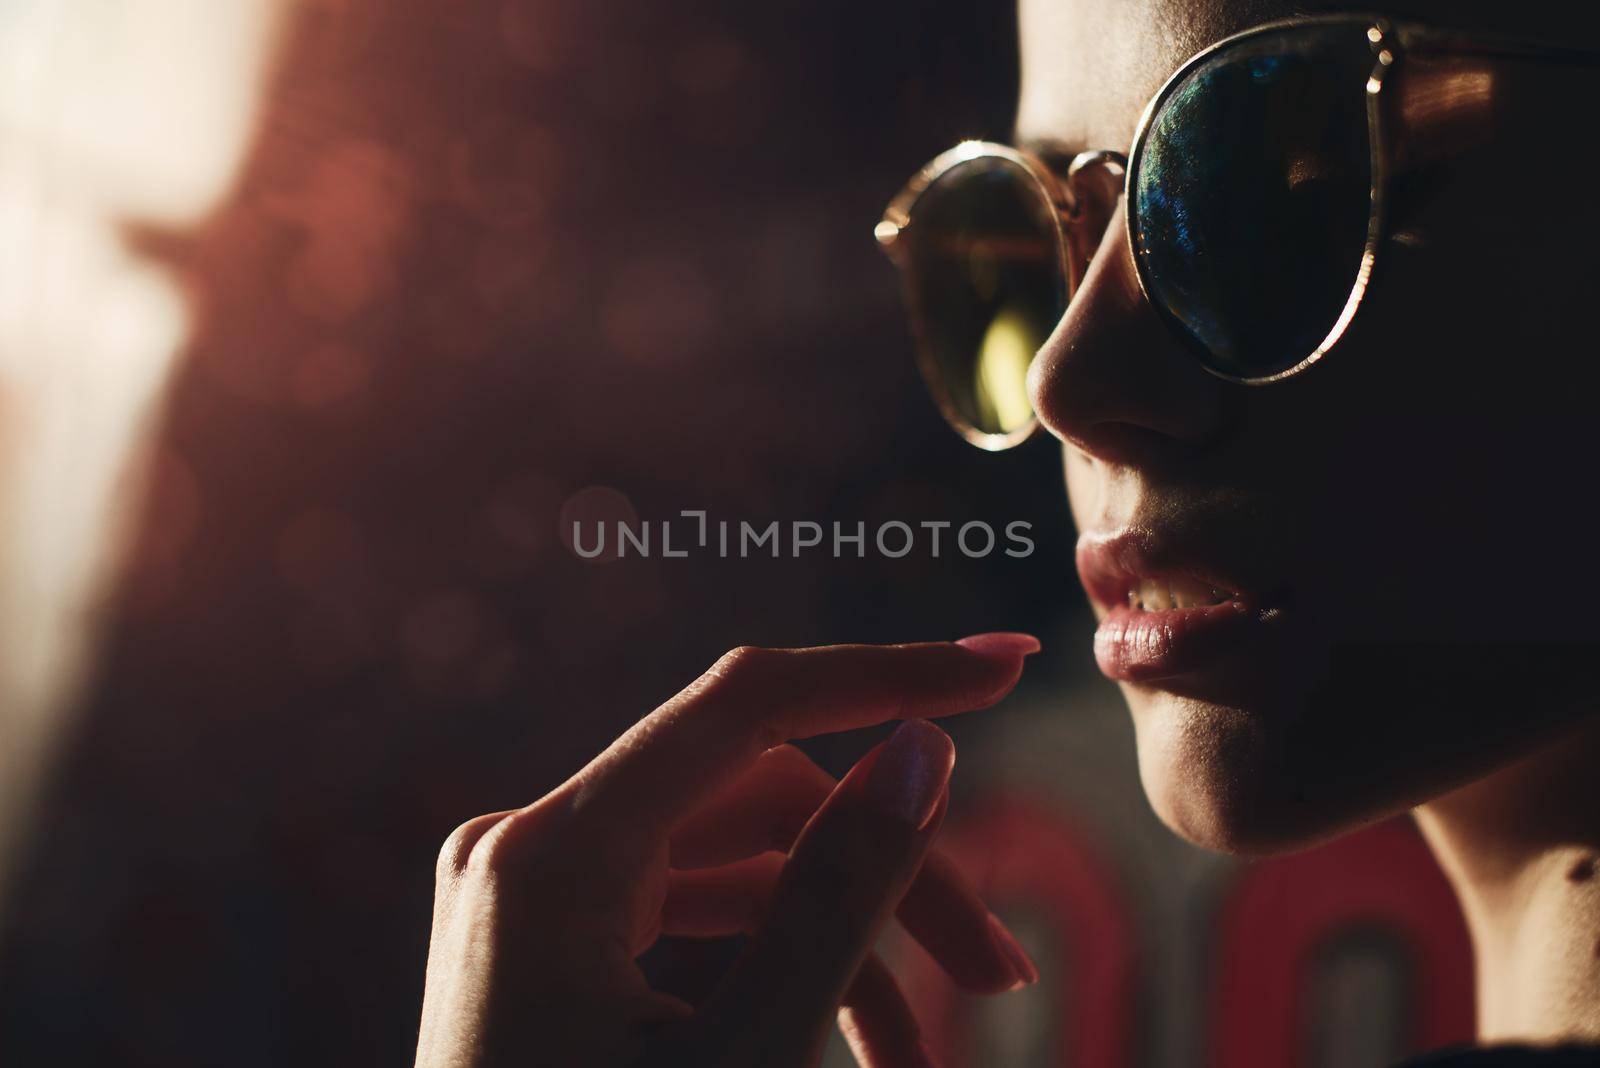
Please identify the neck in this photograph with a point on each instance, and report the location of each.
(1522, 848)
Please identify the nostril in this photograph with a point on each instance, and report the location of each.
(1127, 445)
(1114, 381)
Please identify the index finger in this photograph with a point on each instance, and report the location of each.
(752, 699)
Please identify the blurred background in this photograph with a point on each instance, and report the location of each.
(315, 319)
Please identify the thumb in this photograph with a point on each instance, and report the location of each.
(846, 874)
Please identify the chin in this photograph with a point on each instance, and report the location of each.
(1219, 775)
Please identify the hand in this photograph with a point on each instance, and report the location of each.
(681, 828)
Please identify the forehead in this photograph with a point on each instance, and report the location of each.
(1090, 66)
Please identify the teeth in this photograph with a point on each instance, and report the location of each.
(1161, 595)
(1154, 596)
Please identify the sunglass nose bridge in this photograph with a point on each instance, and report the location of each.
(1095, 179)
(1094, 182)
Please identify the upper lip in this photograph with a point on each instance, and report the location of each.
(1113, 563)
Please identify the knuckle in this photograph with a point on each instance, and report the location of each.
(743, 682)
(528, 836)
(743, 661)
(458, 846)
(491, 853)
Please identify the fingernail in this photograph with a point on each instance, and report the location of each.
(911, 772)
(1026, 971)
(1001, 643)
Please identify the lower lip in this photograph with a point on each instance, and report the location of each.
(1132, 645)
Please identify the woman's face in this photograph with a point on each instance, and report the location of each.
(1405, 519)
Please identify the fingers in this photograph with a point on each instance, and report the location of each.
(878, 1024)
(765, 809)
(848, 870)
(716, 902)
(946, 916)
(940, 911)
(751, 700)
(874, 1016)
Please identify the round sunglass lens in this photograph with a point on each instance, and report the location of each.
(984, 269)
(1253, 196)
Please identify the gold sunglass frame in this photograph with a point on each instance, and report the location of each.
(1079, 215)
(1073, 217)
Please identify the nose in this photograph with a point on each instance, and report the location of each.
(1114, 380)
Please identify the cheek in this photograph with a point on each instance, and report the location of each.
(1424, 515)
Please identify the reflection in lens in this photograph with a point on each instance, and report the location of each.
(986, 280)
(1252, 196)
(1001, 392)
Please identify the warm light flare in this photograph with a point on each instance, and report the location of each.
(112, 116)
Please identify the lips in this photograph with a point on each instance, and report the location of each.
(1167, 614)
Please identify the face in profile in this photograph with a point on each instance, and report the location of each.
(1397, 535)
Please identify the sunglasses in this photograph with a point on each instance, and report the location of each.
(1258, 194)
